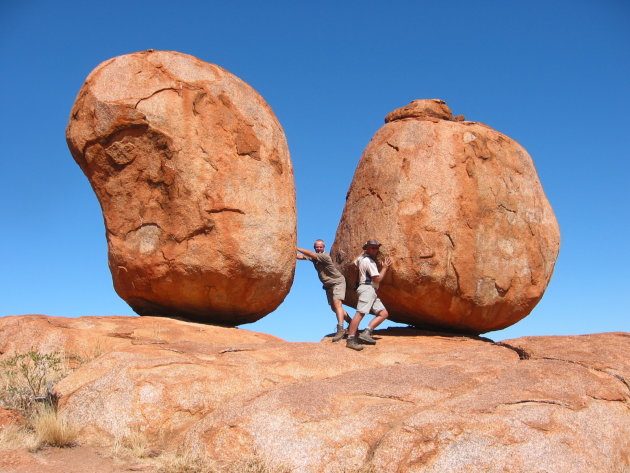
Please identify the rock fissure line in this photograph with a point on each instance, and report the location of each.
(584, 365)
(233, 350)
(148, 224)
(174, 89)
(146, 341)
(538, 401)
(622, 379)
(113, 135)
(458, 290)
(199, 231)
(450, 239)
(502, 206)
(373, 192)
(198, 98)
(225, 209)
(394, 398)
(522, 354)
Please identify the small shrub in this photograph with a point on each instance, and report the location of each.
(52, 429)
(26, 378)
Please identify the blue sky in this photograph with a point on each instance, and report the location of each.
(553, 75)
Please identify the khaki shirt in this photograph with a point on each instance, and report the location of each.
(328, 273)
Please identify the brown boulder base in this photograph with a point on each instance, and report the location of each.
(417, 402)
(194, 177)
(459, 208)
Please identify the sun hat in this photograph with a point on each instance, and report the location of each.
(371, 243)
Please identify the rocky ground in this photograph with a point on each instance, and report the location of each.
(80, 459)
(416, 402)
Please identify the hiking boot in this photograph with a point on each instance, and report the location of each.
(352, 343)
(366, 337)
(340, 333)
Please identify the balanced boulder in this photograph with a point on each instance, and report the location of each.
(459, 208)
(194, 177)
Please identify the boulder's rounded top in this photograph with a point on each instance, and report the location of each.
(425, 108)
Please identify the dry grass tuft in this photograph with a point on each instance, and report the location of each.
(17, 437)
(134, 444)
(53, 429)
(189, 462)
(186, 462)
(360, 469)
(256, 464)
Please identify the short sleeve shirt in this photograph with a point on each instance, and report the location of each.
(367, 270)
(328, 273)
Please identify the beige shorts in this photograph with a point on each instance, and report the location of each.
(368, 303)
(336, 292)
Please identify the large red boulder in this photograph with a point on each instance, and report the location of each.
(194, 177)
(461, 211)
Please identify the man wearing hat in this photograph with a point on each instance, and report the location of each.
(369, 280)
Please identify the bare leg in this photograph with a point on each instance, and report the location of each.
(338, 309)
(352, 330)
(378, 320)
(354, 325)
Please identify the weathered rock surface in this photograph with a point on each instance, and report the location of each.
(91, 337)
(10, 417)
(459, 208)
(416, 402)
(194, 177)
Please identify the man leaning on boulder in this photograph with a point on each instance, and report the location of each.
(333, 282)
(368, 302)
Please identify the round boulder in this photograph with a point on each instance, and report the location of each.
(194, 177)
(460, 210)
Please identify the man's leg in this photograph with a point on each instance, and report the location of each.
(352, 331)
(354, 325)
(337, 308)
(381, 315)
(378, 320)
(341, 314)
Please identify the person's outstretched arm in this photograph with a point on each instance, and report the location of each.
(309, 253)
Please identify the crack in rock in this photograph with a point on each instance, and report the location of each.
(537, 401)
(522, 354)
(225, 209)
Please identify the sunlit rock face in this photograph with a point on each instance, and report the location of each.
(194, 177)
(461, 211)
(428, 402)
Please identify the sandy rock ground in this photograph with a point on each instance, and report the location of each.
(81, 459)
(417, 402)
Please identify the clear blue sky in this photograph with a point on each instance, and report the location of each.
(554, 75)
